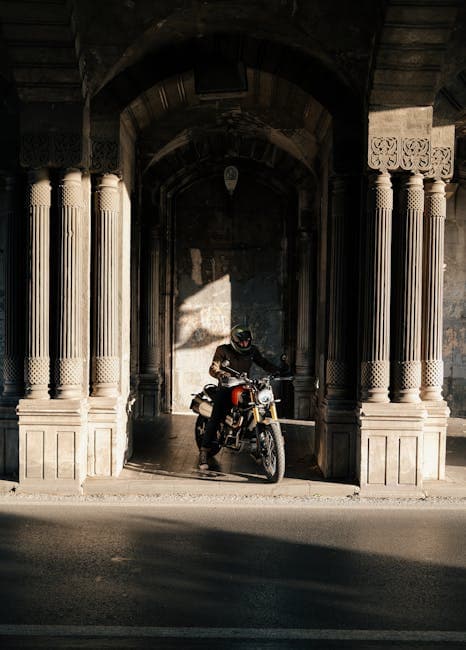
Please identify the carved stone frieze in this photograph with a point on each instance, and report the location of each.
(442, 163)
(415, 154)
(383, 153)
(105, 156)
(51, 150)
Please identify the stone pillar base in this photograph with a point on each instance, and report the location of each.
(148, 402)
(435, 440)
(304, 398)
(52, 445)
(336, 439)
(108, 436)
(391, 447)
(9, 441)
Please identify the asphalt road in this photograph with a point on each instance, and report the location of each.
(177, 576)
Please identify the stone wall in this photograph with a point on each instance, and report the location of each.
(230, 261)
(454, 326)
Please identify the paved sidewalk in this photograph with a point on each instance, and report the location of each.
(165, 463)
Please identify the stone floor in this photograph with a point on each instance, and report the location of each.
(167, 449)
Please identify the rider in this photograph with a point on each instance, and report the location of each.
(239, 355)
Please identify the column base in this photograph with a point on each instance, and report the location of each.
(52, 444)
(336, 439)
(390, 443)
(435, 440)
(9, 440)
(109, 444)
(304, 398)
(148, 401)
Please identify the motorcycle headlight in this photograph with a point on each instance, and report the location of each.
(265, 396)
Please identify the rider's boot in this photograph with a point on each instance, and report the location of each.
(203, 459)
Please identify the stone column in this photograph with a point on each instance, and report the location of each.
(337, 362)
(336, 441)
(13, 361)
(69, 362)
(435, 428)
(375, 368)
(150, 324)
(432, 333)
(406, 367)
(305, 334)
(37, 361)
(106, 360)
(149, 396)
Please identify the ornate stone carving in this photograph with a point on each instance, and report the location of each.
(375, 374)
(69, 372)
(36, 371)
(415, 154)
(432, 377)
(442, 163)
(406, 376)
(105, 156)
(383, 153)
(337, 373)
(12, 371)
(51, 149)
(107, 370)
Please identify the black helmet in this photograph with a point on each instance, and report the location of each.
(241, 339)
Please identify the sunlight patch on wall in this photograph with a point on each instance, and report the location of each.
(203, 321)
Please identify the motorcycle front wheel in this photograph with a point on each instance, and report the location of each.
(199, 429)
(272, 451)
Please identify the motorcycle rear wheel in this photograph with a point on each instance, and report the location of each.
(199, 429)
(272, 452)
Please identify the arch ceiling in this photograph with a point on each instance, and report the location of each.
(171, 113)
(349, 56)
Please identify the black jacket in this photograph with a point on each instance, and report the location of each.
(239, 362)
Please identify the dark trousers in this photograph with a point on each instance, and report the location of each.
(221, 406)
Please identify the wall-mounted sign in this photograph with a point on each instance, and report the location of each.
(230, 176)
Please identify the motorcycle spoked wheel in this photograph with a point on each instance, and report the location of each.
(199, 429)
(272, 451)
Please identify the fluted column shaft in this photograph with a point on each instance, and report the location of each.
(13, 360)
(304, 323)
(375, 368)
(37, 361)
(149, 334)
(337, 363)
(69, 362)
(406, 370)
(434, 228)
(106, 361)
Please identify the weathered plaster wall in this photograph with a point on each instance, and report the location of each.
(229, 265)
(454, 330)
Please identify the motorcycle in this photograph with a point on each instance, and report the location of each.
(250, 425)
